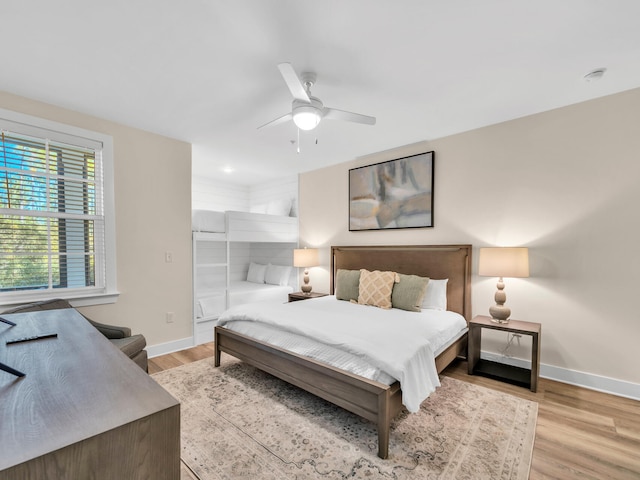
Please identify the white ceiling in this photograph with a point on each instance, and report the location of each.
(205, 71)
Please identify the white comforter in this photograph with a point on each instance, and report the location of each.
(401, 343)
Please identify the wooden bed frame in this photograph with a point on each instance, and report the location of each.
(374, 401)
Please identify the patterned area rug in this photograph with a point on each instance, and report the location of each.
(238, 422)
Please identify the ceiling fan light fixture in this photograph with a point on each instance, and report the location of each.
(308, 111)
(306, 117)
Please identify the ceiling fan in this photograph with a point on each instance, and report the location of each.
(306, 110)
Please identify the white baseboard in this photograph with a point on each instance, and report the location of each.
(169, 347)
(599, 383)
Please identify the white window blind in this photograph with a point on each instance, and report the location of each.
(52, 219)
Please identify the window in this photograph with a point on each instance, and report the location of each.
(56, 235)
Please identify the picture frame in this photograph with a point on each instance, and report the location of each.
(393, 194)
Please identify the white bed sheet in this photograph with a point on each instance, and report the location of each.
(357, 339)
(208, 221)
(241, 292)
(211, 306)
(250, 292)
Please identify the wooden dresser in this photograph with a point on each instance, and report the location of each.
(83, 410)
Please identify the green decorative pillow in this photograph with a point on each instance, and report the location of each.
(347, 282)
(409, 292)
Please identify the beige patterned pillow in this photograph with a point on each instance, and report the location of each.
(375, 288)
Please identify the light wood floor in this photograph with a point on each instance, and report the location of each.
(580, 434)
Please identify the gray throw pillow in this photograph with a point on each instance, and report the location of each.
(408, 292)
(347, 282)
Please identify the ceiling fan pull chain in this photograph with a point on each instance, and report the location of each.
(298, 146)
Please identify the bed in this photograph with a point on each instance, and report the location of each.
(224, 244)
(373, 400)
(240, 292)
(246, 226)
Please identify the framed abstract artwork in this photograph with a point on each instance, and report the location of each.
(392, 194)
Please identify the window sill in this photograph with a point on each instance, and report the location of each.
(75, 298)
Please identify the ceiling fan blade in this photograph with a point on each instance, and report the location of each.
(293, 82)
(335, 114)
(277, 121)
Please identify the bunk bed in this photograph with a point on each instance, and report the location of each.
(374, 400)
(226, 245)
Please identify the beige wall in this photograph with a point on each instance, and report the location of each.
(565, 183)
(153, 215)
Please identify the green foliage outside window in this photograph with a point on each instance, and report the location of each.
(46, 192)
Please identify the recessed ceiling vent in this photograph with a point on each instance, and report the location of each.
(595, 75)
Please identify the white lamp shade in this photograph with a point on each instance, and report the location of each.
(305, 257)
(504, 262)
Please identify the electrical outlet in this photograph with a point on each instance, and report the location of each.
(170, 317)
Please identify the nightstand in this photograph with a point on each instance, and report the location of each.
(294, 297)
(519, 376)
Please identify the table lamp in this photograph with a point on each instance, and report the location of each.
(503, 262)
(305, 258)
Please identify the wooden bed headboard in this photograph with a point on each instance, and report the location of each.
(433, 261)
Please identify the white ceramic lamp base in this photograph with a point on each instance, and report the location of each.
(500, 313)
(306, 288)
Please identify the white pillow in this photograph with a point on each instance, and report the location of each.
(279, 207)
(260, 208)
(435, 297)
(256, 273)
(277, 275)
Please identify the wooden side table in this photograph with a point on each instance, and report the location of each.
(296, 296)
(509, 373)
